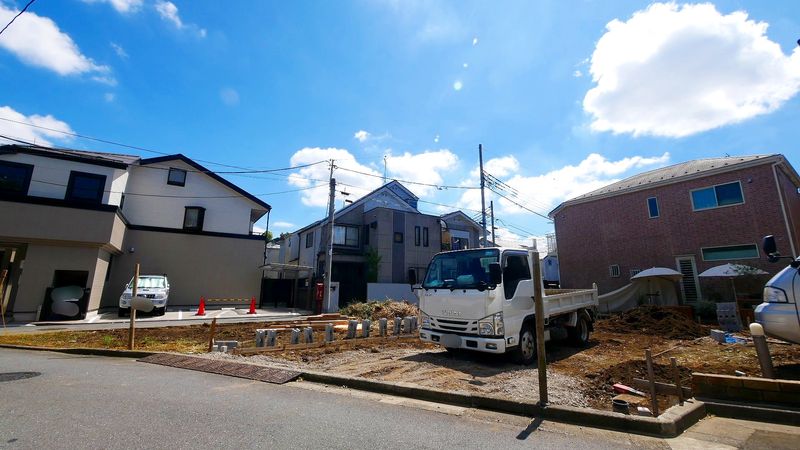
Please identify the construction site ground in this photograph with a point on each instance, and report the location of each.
(576, 376)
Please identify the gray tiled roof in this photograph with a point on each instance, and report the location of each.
(674, 172)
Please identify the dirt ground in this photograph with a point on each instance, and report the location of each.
(576, 376)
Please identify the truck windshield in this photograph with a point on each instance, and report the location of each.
(460, 270)
(149, 283)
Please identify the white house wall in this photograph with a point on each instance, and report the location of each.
(163, 205)
(51, 176)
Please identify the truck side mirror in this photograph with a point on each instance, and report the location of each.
(770, 248)
(412, 277)
(495, 273)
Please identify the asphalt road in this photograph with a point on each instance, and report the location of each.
(100, 402)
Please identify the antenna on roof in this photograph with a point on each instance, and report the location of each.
(384, 169)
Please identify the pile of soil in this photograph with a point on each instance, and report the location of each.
(600, 390)
(654, 320)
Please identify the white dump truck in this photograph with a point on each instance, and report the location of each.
(483, 300)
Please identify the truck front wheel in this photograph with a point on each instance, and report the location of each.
(579, 334)
(525, 353)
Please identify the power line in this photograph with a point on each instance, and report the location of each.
(521, 206)
(437, 186)
(15, 17)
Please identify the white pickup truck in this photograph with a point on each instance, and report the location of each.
(482, 300)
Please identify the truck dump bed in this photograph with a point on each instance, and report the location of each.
(559, 301)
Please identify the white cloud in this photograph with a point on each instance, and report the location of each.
(436, 139)
(499, 167)
(430, 22)
(38, 41)
(317, 175)
(169, 12)
(283, 225)
(577, 74)
(119, 50)
(109, 97)
(474, 41)
(229, 96)
(465, 65)
(425, 167)
(675, 70)
(361, 135)
(122, 6)
(31, 134)
(458, 85)
(541, 193)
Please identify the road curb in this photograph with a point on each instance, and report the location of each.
(756, 412)
(85, 351)
(670, 424)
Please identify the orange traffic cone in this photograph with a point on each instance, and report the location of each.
(201, 311)
(252, 306)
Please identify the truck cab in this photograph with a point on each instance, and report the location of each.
(779, 313)
(483, 300)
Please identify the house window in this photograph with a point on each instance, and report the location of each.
(193, 218)
(634, 272)
(613, 271)
(176, 177)
(425, 236)
(85, 187)
(398, 237)
(717, 196)
(15, 178)
(417, 236)
(652, 207)
(345, 235)
(310, 239)
(749, 251)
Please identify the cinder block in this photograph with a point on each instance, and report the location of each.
(789, 386)
(295, 338)
(308, 335)
(709, 390)
(329, 332)
(382, 325)
(397, 324)
(721, 380)
(744, 394)
(760, 384)
(352, 326)
(260, 337)
(365, 325)
(718, 335)
(785, 398)
(271, 337)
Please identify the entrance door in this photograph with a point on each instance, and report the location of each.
(690, 284)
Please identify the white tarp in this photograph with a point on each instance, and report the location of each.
(656, 291)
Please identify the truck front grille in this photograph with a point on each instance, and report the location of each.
(454, 325)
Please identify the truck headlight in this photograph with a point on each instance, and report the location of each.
(774, 295)
(425, 319)
(491, 325)
(127, 296)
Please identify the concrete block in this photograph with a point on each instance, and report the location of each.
(407, 325)
(382, 325)
(295, 338)
(352, 326)
(786, 398)
(744, 394)
(230, 344)
(308, 335)
(260, 337)
(720, 380)
(718, 335)
(789, 386)
(365, 326)
(760, 384)
(329, 332)
(271, 337)
(397, 323)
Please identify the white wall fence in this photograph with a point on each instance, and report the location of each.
(391, 291)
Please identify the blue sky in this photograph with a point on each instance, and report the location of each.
(564, 96)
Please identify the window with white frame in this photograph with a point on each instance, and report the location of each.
(613, 271)
(747, 251)
(345, 235)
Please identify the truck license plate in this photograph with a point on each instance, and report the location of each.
(450, 340)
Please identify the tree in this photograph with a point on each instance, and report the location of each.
(373, 264)
(268, 235)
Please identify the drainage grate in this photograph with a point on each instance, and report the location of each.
(230, 368)
(11, 376)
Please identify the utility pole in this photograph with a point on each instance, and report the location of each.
(483, 199)
(384, 169)
(329, 254)
(491, 211)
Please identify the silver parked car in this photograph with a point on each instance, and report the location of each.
(780, 312)
(153, 287)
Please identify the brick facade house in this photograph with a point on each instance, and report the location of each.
(690, 216)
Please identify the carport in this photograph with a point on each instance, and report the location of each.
(280, 286)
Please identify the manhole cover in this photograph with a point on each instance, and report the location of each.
(11, 376)
(230, 368)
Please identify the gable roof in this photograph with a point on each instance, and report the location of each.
(459, 213)
(115, 160)
(672, 174)
(200, 168)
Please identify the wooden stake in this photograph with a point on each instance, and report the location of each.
(651, 377)
(134, 291)
(538, 301)
(211, 334)
(3, 275)
(676, 375)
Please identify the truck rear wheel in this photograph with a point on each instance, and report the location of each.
(525, 353)
(579, 334)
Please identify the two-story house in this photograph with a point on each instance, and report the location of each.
(377, 239)
(689, 216)
(80, 218)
